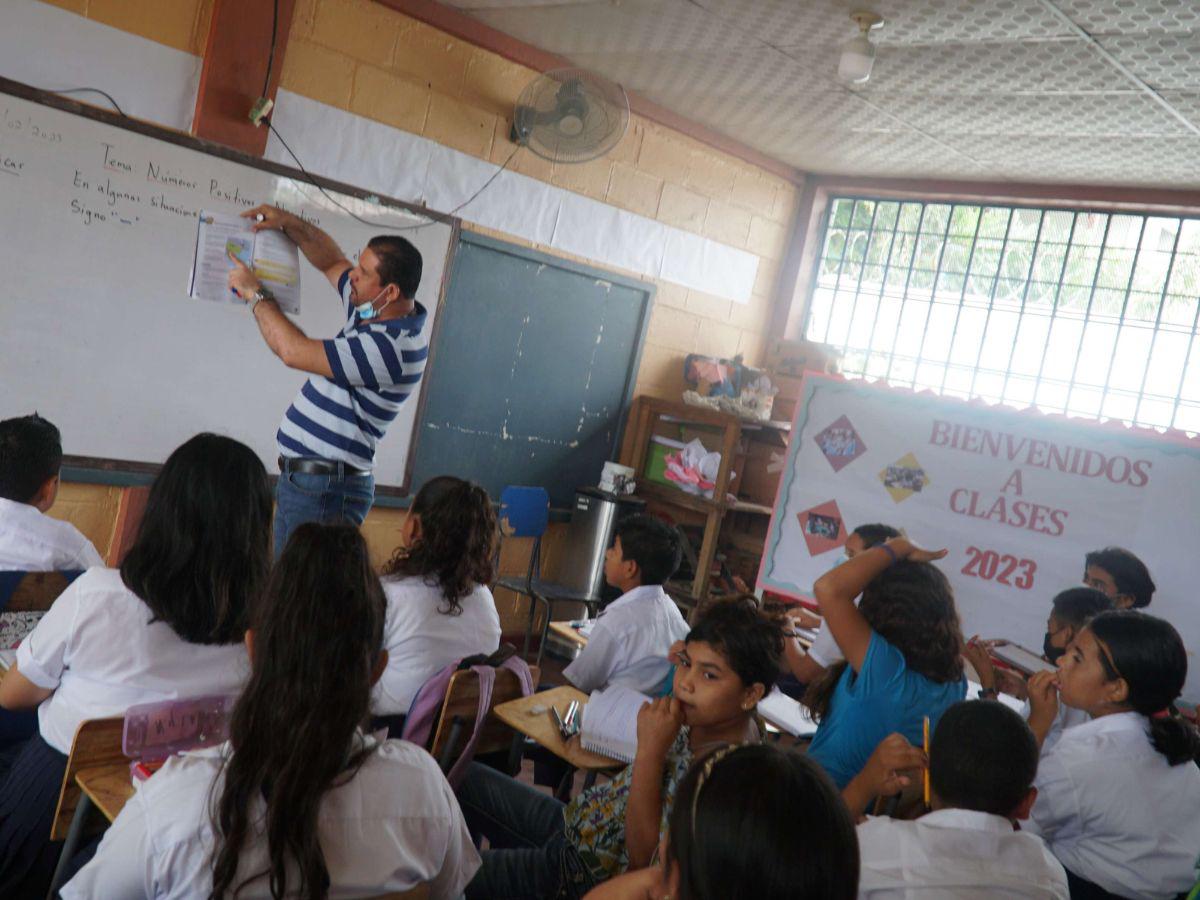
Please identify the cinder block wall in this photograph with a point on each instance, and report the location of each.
(366, 58)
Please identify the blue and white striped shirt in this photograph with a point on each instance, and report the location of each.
(375, 365)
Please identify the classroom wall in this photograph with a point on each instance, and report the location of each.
(377, 63)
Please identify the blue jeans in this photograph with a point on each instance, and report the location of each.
(530, 856)
(301, 497)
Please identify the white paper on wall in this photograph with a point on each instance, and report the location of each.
(704, 265)
(518, 204)
(513, 203)
(53, 49)
(333, 143)
(596, 230)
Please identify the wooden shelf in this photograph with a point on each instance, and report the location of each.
(723, 433)
(676, 497)
(745, 506)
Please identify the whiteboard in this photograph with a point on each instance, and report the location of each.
(97, 333)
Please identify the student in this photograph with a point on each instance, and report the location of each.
(300, 802)
(540, 848)
(1120, 575)
(631, 639)
(439, 608)
(734, 832)
(1118, 796)
(903, 647)
(167, 624)
(982, 762)
(30, 459)
(809, 667)
(1070, 611)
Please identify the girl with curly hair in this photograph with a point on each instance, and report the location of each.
(903, 646)
(439, 608)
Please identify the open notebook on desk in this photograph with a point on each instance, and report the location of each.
(786, 714)
(610, 722)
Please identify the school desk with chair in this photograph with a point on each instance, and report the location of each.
(107, 755)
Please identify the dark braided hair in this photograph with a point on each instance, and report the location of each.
(457, 542)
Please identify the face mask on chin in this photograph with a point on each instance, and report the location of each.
(1051, 652)
(368, 311)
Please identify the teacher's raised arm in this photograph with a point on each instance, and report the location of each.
(358, 379)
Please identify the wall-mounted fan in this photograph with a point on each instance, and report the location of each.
(570, 115)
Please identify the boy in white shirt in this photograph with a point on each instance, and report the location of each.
(632, 637)
(982, 762)
(31, 541)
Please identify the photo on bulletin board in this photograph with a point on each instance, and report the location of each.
(1017, 497)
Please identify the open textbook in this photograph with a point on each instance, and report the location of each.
(272, 256)
(610, 722)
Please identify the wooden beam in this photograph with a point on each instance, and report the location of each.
(235, 64)
(462, 26)
(130, 509)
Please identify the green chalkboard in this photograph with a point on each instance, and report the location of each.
(534, 361)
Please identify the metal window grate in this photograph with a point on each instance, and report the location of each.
(1085, 313)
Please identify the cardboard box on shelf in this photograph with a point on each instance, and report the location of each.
(761, 470)
(795, 357)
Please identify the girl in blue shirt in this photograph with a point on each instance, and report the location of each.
(903, 654)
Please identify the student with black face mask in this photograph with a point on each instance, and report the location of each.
(1070, 611)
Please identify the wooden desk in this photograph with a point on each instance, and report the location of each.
(520, 714)
(109, 787)
(569, 633)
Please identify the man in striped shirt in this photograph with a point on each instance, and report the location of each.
(358, 379)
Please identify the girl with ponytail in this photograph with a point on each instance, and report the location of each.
(439, 607)
(300, 802)
(1118, 796)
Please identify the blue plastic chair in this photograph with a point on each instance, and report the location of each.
(41, 587)
(525, 513)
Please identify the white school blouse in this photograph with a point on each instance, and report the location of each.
(629, 643)
(32, 541)
(420, 641)
(97, 649)
(1115, 813)
(825, 650)
(392, 826)
(955, 854)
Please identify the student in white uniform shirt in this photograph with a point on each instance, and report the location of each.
(1119, 796)
(1070, 611)
(632, 637)
(167, 625)
(982, 762)
(30, 540)
(299, 802)
(808, 667)
(439, 608)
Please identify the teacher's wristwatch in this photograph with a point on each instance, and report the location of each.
(258, 296)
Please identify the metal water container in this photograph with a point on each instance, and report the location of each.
(594, 518)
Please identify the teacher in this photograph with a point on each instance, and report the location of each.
(358, 379)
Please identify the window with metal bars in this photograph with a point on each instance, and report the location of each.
(1079, 312)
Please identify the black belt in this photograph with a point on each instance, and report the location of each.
(310, 466)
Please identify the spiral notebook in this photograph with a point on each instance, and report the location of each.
(610, 722)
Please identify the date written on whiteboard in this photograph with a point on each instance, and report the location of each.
(1001, 568)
